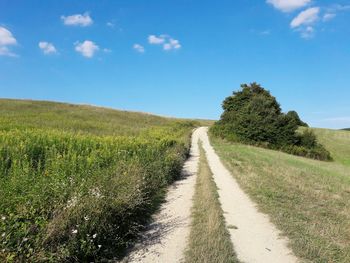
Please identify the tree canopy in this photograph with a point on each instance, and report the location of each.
(252, 115)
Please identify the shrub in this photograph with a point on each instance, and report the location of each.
(252, 115)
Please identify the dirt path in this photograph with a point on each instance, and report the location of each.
(256, 239)
(166, 238)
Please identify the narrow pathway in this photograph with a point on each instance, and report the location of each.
(166, 238)
(254, 237)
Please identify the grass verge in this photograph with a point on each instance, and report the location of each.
(307, 199)
(209, 238)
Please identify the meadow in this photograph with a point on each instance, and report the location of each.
(308, 200)
(77, 182)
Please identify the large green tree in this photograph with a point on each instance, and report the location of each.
(254, 115)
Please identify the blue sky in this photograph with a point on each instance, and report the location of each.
(179, 58)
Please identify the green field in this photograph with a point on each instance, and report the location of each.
(308, 200)
(77, 183)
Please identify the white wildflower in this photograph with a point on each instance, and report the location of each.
(3, 234)
(94, 235)
(74, 231)
(3, 218)
(72, 202)
(86, 218)
(96, 192)
(99, 246)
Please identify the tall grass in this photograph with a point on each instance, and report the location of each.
(81, 196)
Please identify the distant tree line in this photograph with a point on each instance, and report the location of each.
(253, 116)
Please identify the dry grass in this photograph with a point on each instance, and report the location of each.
(209, 238)
(308, 200)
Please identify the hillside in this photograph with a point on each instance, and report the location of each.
(78, 183)
(24, 114)
(307, 199)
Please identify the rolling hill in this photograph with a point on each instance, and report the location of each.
(24, 114)
(78, 182)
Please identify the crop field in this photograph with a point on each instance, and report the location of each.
(307, 199)
(78, 183)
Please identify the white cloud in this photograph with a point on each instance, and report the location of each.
(347, 119)
(307, 32)
(139, 48)
(288, 5)
(47, 48)
(77, 20)
(306, 17)
(168, 42)
(338, 7)
(328, 16)
(5, 51)
(110, 24)
(6, 40)
(6, 37)
(172, 44)
(152, 39)
(87, 48)
(265, 32)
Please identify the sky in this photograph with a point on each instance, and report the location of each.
(179, 58)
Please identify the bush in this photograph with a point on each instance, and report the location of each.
(252, 115)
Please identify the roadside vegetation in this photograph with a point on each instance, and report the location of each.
(308, 200)
(74, 186)
(253, 116)
(209, 239)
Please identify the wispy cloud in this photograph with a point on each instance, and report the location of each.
(288, 5)
(328, 16)
(265, 32)
(166, 41)
(139, 48)
(338, 7)
(77, 20)
(336, 122)
(87, 48)
(307, 32)
(110, 24)
(338, 119)
(306, 17)
(304, 22)
(47, 48)
(6, 40)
